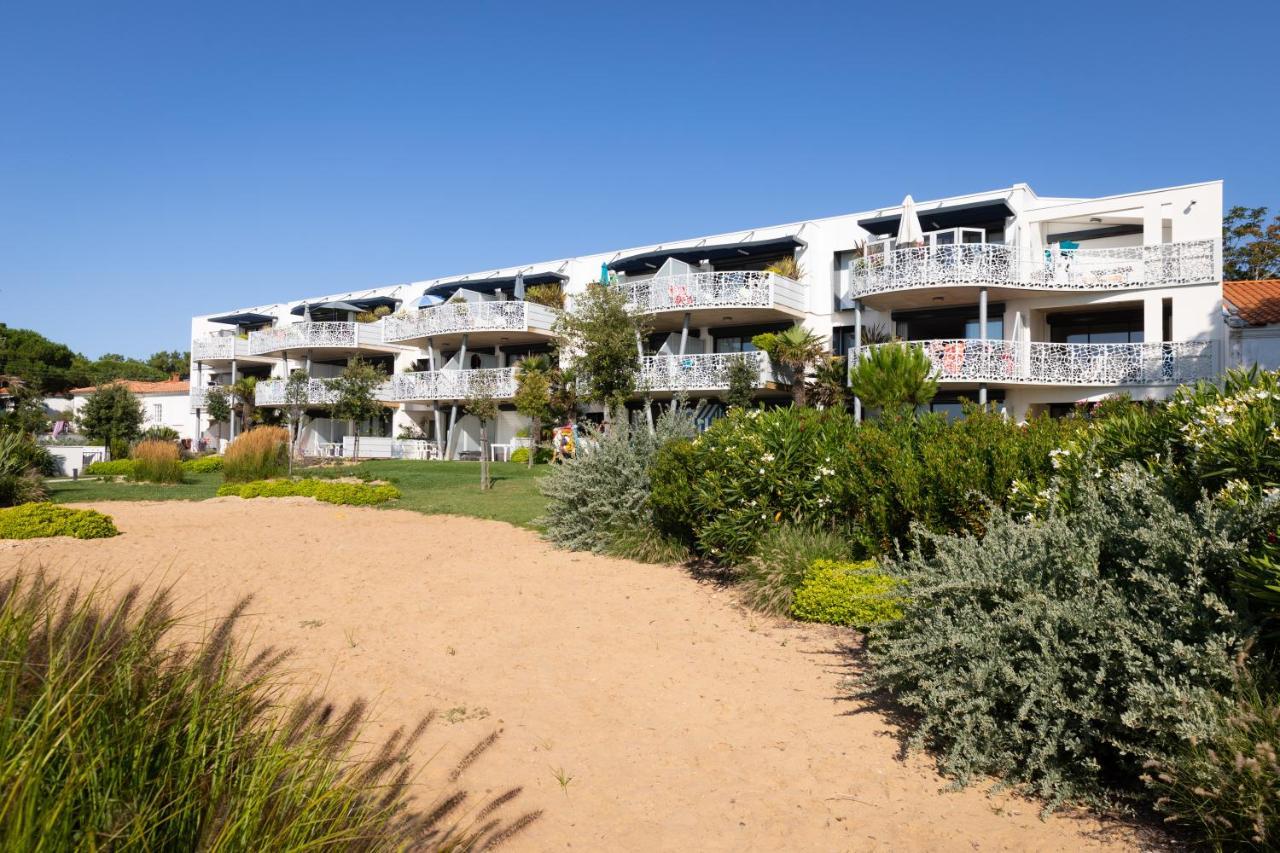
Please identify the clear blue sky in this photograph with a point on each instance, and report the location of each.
(163, 160)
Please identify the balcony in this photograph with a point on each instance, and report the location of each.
(200, 397)
(497, 382)
(999, 266)
(219, 347)
(700, 372)
(315, 335)
(512, 316)
(716, 290)
(271, 392)
(1037, 363)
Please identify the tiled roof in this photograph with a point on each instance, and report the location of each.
(166, 386)
(1257, 303)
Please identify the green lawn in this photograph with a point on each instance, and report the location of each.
(429, 487)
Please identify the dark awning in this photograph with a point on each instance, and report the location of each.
(245, 318)
(648, 261)
(490, 284)
(367, 303)
(974, 213)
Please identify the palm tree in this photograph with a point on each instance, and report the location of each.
(829, 389)
(533, 396)
(894, 376)
(794, 350)
(243, 390)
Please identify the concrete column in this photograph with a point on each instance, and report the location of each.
(982, 334)
(232, 422)
(684, 334)
(1152, 318)
(502, 356)
(857, 353)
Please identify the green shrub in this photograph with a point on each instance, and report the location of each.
(156, 461)
(1063, 653)
(115, 735)
(605, 486)
(1225, 790)
(118, 448)
(671, 478)
(22, 462)
(35, 520)
(521, 456)
(644, 544)
(258, 454)
(159, 433)
(110, 468)
(327, 491)
(203, 465)
(853, 594)
(770, 577)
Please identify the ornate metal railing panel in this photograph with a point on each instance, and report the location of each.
(498, 382)
(212, 347)
(200, 396)
(699, 372)
(311, 335)
(997, 265)
(271, 392)
(1038, 363)
(740, 289)
(509, 316)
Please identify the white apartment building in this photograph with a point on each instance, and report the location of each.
(1030, 303)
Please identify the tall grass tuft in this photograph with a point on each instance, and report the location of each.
(258, 454)
(786, 552)
(115, 736)
(156, 461)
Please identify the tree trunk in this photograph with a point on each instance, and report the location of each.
(535, 431)
(797, 385)
(484, 457)
(355, 441)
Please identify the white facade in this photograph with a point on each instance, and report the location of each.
(170, 407)
(1083, 298)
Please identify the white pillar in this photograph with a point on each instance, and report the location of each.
(982, 334)
(857, 353)
(232, 421)
(684, 334)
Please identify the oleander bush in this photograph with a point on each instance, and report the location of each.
(114, 735)
(1063, 652)
(203, 465)
(1224, 790)
(259, 454)
(604, 488)
(327, 491)
(769, 578)
(844, 593)
(110, 468)
(22, 465)
(156, 461)
(36, 520)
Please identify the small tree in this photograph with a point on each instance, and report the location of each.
(112, 414)
(26, 413)
(354, 399)
(601, 333)
(795, 350)
(564, 394)
(894, 377)
(1250, 245)
(829, 389)
(482, 404)
(218, 405)
(243, 390)
(533, 396)
(297, 392)
(743, 377)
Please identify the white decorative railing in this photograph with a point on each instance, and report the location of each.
(271, 392)
(200, 396)
(998, 265)
(498, 382)
(309, 335)
(217, 346)
(453, 317)
(741, 289)
(699, 372)
(1003, 361)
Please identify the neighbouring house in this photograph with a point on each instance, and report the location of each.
(164, 403)
(1027, 302)
(1252, 313)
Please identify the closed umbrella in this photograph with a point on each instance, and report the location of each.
(519, 286)
(909, 231)
(604, 272)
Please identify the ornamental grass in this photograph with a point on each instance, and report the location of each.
(258, 454)
(156, 461)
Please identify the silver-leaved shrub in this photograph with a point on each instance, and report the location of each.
(1062, 653)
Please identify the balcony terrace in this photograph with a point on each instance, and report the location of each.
(318, 336)
(699, 372)
(998, 266)
(271, 392)
(1004, 362)
(498, 382)
(514, 319)
(751, 296)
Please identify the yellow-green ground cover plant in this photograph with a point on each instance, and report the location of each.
(325, 490)
(37, 520)
(115, 735)
(856, 594)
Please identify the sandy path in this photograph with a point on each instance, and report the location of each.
(685, 722)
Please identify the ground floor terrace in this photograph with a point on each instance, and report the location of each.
(641, 707)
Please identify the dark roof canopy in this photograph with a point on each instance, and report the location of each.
(953, 216)
(646, 261)
(245, 318)
(367, 303)
(490, 284)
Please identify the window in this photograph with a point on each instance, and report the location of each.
(157, 412)
(735, 343)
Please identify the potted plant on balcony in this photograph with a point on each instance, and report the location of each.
(787, 267)
(550, 295)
